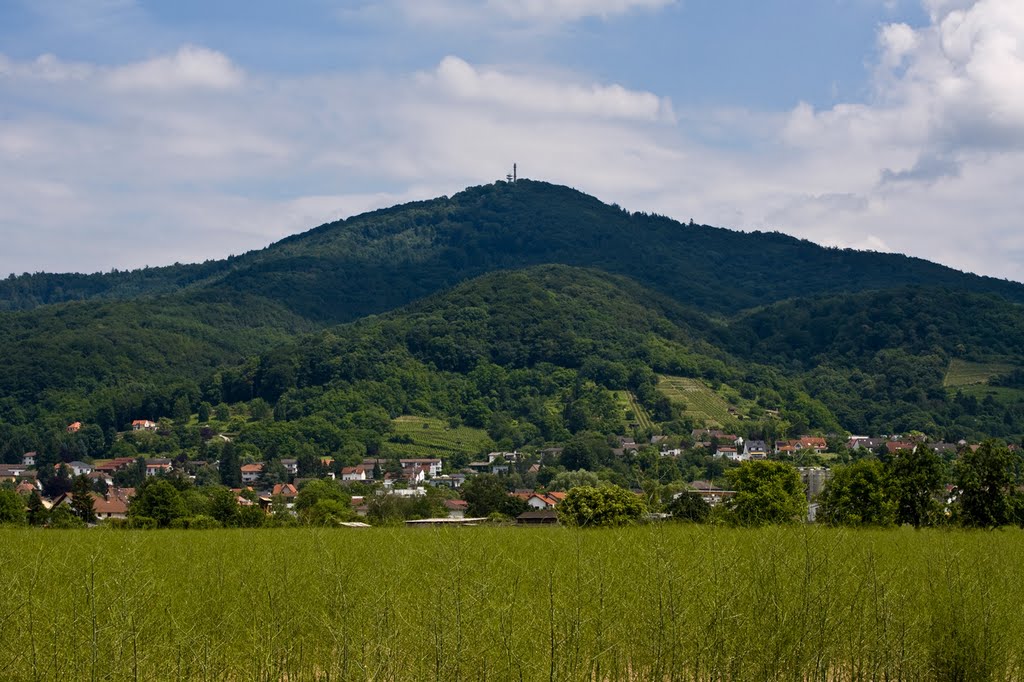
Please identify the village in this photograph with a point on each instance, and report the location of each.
(272, 489)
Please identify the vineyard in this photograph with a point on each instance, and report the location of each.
(964, 373)
(628, 402)
(658, 602)
(429, 437)
(702, 403)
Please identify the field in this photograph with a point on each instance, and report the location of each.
(627, 401)
(704, 404)
(434, 438)
(524, 604)
(964, 373)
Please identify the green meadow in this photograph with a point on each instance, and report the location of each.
(666, 602)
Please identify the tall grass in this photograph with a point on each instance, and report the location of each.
(646, 603)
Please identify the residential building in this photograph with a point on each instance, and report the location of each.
(79, 468)
(158, 465)
(252, 472)
(143, 425)
(29, 459)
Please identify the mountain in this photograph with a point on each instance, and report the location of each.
(381, 260)
(524, 309)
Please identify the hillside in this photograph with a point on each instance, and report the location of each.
(381, 260)
(835, 339)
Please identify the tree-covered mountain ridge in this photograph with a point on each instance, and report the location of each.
(381, 260)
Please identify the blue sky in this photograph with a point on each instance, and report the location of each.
(137, 132)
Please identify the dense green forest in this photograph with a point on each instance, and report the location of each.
(457, 330)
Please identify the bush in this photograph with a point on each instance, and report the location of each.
(606, 506)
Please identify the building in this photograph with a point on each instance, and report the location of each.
(143, 425)
(74, 427)
(252, 472)
(29, 459)
(357, 473)
(433, 465)
(456, 508)
(709, 492)
(755, 449)
(79, 468)
(291, 466)
(158, 465)
(814, 479)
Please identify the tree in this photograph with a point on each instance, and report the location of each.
(316, 491)
(12, 508)
(917, 479)
(37, 511)
(82, 501)
(766, 492)
(204, 412)
(230, 466)
(983, 480)
(157, 499)
(223, 505)
(605, 506)
(486, 494)
(858, 495)
(689, 506)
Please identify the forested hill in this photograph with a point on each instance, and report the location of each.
(384, 259)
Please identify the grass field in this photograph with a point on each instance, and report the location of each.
(964, 373)
(434, 438)
(524, 604)
(703, 404)
(627, 401)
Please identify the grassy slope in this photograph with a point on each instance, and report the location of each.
(434, 438)
(965, 373)
(525, 604)
(703, 404)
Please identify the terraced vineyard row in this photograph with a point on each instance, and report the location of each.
(702, 403)
(629, 403)
(429, 437)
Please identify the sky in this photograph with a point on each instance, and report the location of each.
(146, 132)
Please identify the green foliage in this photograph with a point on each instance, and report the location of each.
(767, 492)
(858, 495)
(82, 503)
(12, 508)
(585, 506)
(487, 494)
(983, 479)
(158, 500)
(918, 479)
(688, 506)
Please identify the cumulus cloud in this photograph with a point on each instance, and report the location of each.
(189, 67)
(465, 82)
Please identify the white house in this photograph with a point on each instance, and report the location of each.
(353, 474)
(29, 459)
(433, 465)
(79, 468)
(251, 472)
(158, 465)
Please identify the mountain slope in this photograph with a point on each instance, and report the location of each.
(380, 260)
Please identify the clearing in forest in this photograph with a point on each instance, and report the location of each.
(431, 437)
(965, 373)
(702, 402)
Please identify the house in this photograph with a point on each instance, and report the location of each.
(452, 481)
(539, 516)
(113, 465)
(357, 473)
(894, 446)
(25, 488)
(729, 452)
(79, 468)
(480, 467)
(251, 472)
(433, 465)
(291, 466)
(456, 508)
(415, 475)
(814, 443)
(864, 443)
(285, 490)
(74, 427)
(707, 435)
(755, 449)
(709, 492)
(12, 472)
(113, 505)
(543, 500)
(158, 465)
(143, 425)
(29, 459)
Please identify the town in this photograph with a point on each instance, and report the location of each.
(526, 486)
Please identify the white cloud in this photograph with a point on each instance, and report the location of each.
(465, 82)
(569, 10)
(189, 67)
(448, 13)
